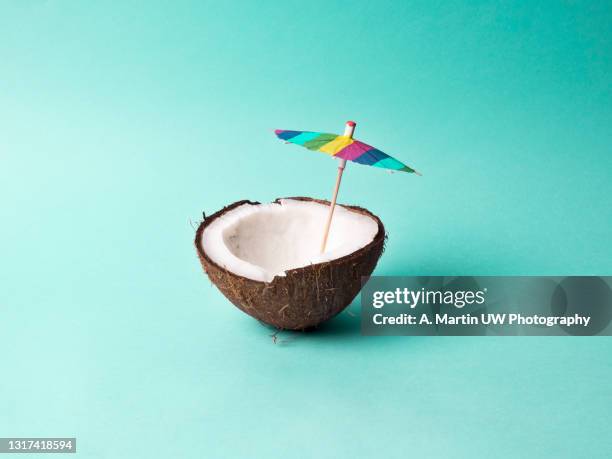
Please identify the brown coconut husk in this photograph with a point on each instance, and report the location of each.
(306, 296)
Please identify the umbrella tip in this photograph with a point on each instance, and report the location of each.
(351, 123)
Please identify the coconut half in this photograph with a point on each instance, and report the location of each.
(265, 258)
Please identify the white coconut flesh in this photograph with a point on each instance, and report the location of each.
(261, 241)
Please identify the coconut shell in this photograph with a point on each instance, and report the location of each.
(306, 296)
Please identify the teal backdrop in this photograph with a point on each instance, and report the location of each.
(120, 122)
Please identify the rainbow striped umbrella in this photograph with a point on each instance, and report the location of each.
(345, 148)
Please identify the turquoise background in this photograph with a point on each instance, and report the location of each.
(121, 121)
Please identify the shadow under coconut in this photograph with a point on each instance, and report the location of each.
(346, 326)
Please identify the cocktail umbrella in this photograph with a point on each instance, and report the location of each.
(345, 148)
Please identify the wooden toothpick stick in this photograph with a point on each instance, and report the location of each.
(348, 132)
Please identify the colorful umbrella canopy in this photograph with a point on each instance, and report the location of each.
(344, 147)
